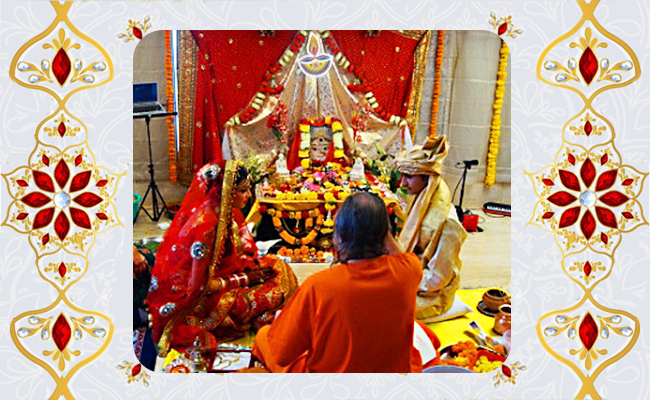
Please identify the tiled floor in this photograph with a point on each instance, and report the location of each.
(485, 255)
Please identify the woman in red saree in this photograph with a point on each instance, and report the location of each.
(207, 282)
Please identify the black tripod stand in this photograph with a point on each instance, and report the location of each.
(153, 188)
(459, 207)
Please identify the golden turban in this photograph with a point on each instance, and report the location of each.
(425, 159)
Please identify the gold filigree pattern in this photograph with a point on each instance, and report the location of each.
(134, 373)
(588, 198)
(61, 200)
(504, 26)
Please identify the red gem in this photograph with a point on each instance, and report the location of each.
(569, 180)
(22, 183)
(61, 66)
(137, 32)
(588, 128)
(587, 268)
(548, 182)
(571, 158)
(628, 215)
(43, 218)
(101, 183)
(88, 199)
(101, 216)
(603, 159)
(22, 216)
(548, 215)
(606, 180)
(61, 332)
(46, 239)
(588, 224)
(46, 160)
(80, 181)
(502, 29)
(604, 238)
(588, 331)
(627, 182)
(136, 370)
(569, 217)
(506, 371)
(80, 218)
(588, 65)
(61, 129)
(562, 199)
(606, 217)
(588, 173)
(36, 200)
(62, 270)
(77, 160)
(62, 225)
(61, 173)
(43, 181)
(614, 198)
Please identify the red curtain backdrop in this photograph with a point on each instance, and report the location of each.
(230, 68)
(385, 61)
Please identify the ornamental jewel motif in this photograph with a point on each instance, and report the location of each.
(587, 198)
(504, 26)
(134, 373)
(507, 374)
(62, 271)
(198, 250)
(59, 202)
(135, 30)
(61, 332)
(588, 333)
(588, 65)
(61, 68)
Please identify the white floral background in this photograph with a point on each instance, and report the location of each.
(538, 115)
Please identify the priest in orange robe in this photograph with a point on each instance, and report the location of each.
(357, 316)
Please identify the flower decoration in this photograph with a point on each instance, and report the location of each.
(588, 198)
(504, 25)
(588, 333)
(61, 201)
(495, 130)
(135, 30)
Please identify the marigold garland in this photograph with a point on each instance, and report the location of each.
(435, 102)
(169, 92)
(495, 130)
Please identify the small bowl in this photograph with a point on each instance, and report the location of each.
(493, 298)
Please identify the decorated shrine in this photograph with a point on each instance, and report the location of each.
(269, 134)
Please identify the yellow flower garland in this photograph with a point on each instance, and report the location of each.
(305, 140)
(495, 130)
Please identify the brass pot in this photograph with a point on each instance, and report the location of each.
(502, 320)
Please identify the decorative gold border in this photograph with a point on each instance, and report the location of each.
(587, 379)
(62, 18)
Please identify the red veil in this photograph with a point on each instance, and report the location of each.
(204, 242)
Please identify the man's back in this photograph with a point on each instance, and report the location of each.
(354, 317)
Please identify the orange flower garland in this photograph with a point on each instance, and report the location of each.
(435, 102)
(169, 92)
(309, 223)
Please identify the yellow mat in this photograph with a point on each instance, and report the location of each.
(450, 331)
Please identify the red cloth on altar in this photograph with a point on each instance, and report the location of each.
(385, 62)
(226, 81)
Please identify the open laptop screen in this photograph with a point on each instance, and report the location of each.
(145, 92)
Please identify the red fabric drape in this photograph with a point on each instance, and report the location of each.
(385, 62)
(230, 68)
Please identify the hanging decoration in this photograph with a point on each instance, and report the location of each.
(435, 102)
(169, 92)
(495, 130)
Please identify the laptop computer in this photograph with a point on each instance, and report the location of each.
(145, 99)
